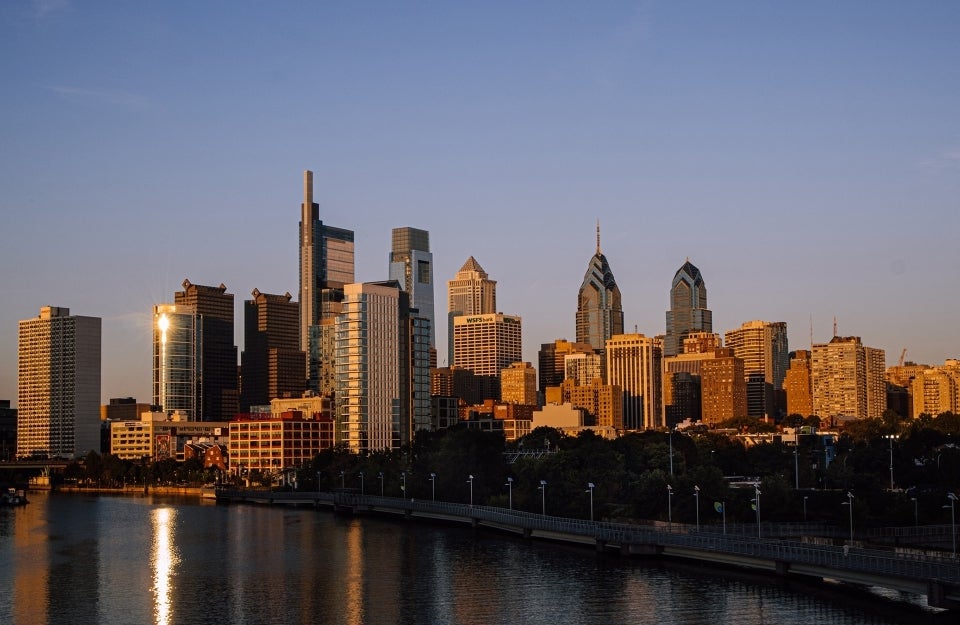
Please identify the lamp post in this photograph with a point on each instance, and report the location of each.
(849, 502)
(343, 483)
(509, 486)
(403, 484)
(916, 512)
(433, 487)
(696, 494)
(804, 508)
(380, 477)
(796, 470)
(756, 501)
(361, 483)
(590, 488)
(470, 482)
(953, 522)
(543, 497)
(318, 481)
(891, 437)
(671, 452)
(670, 505)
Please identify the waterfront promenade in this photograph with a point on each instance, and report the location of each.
(784, 550)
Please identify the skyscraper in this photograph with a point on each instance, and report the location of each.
(723, 388)
(58, 384)
(599, 311)
(220, 391)
(518, 384)
(411, 264)
(326, 265)
(177, 360)
(796, 383)
(688, 308)
(552, 361)
(382, 367)
(471, 292)
(272, 363)
(762, 345)
(848, 379)
(634, 364)
(487, 344)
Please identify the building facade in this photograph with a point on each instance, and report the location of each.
(797, 384)
(599, 309)
(326, 266)
(274, 443)
(518, 384)
(848, 379)
(219, 398)
(723, 388)
(552, 361)
(688, 308)
(411, 264)
(634, 364)
(272, 363)
(487, 344)
(936, 390)
(58, 384)
(471, 292)
(762, 345)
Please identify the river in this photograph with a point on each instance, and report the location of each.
(81, 559)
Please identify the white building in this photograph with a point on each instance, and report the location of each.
(58, 384)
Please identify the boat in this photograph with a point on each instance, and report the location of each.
(13, 497)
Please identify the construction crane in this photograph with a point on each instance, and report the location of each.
(903, 355)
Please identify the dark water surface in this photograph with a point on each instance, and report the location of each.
(82, 560)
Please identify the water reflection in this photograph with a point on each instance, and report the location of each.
(164, 560)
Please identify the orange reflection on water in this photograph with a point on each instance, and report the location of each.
(163, 561)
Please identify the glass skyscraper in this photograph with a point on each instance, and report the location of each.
(688, 309)
(599, 310)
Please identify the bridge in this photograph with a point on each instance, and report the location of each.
(782, 552)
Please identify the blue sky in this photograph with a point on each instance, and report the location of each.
(805, 156)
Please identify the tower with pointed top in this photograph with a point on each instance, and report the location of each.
(471, 292)
(688, 309)
(326, 266)
(599, 309)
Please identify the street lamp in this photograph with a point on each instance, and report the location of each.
(470, 481)
(543, 496)
(756, 501)
(509, 486)
(318, 481)
(953, 522)
(891, 437)
(361, 483)
(590, 488)
(433, 486)
(670, 505)
(403, 484)
(343, 484)
(849, 502)
(380, 477)
(796, 470)
(696, 493)
(671, 452)
(916, 512)
(804, 508)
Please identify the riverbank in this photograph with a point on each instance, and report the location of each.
(184, 491)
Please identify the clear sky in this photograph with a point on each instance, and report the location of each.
(804, 155)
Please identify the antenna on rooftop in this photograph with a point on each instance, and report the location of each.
(835, 326)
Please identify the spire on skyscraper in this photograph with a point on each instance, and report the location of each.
(599, 311)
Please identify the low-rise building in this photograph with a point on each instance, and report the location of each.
(272, 443)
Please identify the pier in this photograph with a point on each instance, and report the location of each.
(784, 551)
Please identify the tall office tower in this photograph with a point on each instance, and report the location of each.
(583, 368)
(487, 344)
(599, 311)
(220, 388)
(369, 393)
(411, 264)
(723, 388)
(176, 360)
(796, 383)
(936, 390)
(762, 345)
(688, 308)
(471, 292)
(551, 359)
(383, 368)
(518, 384)
(848, 379)
(326, 266)
(58, 384)
(633, 364)
(272, 363)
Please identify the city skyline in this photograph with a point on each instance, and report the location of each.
(807, 161)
